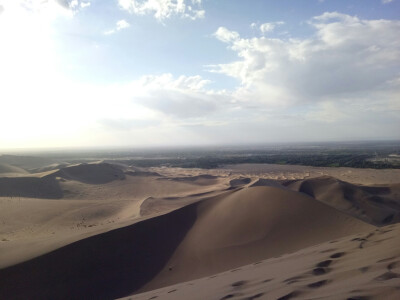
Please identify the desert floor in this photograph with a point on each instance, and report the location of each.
(104, 231)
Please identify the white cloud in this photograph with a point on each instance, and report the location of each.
(226, 35)
(184, 96)
(269, 27)
(386, 1)
(347, 57)
(121, 24)
(164, 9)
(85, 4)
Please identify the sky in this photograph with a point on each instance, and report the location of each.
(140, 73)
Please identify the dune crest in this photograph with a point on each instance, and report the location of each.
(378, 205)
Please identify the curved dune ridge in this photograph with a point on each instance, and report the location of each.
(30, 187)
(6, 169)
(213, 235)
(95, 173)
(46, 186)
(25, 162)
(252, 224)
(378, 205)
(365, 266)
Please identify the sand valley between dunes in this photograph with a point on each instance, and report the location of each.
(106, 231)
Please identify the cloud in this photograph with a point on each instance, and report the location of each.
(183, 97)
(121, 24)
(225, 35)
(386, 1)
(49, 9)
(128, 124)
(164, 9)
(85, 4)
(269, 27)
(346, 57)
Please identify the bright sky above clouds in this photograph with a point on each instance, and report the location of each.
(197, 72)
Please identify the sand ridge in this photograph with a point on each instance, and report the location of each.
(360, 266)
(181, 224)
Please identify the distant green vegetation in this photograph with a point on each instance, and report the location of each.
(376, 155)
(317, 160)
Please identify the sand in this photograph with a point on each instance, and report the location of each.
(105, 231)
(361, 266)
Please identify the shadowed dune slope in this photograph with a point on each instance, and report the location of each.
(252, 224)
(378, 205)
(9, 169)
(47, 187)
(268, 182)
(25, 162)
(204, 238)
(31, 187)
(365, 266)
(91, 173)
(204, 179)
(105, 266)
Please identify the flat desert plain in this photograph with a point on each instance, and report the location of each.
(105, 230)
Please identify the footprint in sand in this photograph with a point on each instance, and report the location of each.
(387, 276)
(171, 291)
(293, 279)
(364, 269)
(229, 296)
(324, 264)
(239, 283)
(337, 255)
(254, 296)
(320, 271)
(289, 296)
(317, 284)
(393, 265)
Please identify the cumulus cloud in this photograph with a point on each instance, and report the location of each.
(269, 27)
(347, 57)
(72, 5)
(164, 9)
(48, 9)
(225, 35)
(184, 96)
(121, 24)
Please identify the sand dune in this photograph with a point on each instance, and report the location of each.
(52, 167)
(106, 238)
(25, 162)
(142, 173)
(194, 241)
(91, 173)
(379, 205)
(9, 170)
(359, 267)
(46, 185)
(249, 225)
(31, 187)
(105, 266)
(238, 182)
(268, 182)
(203, 179)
